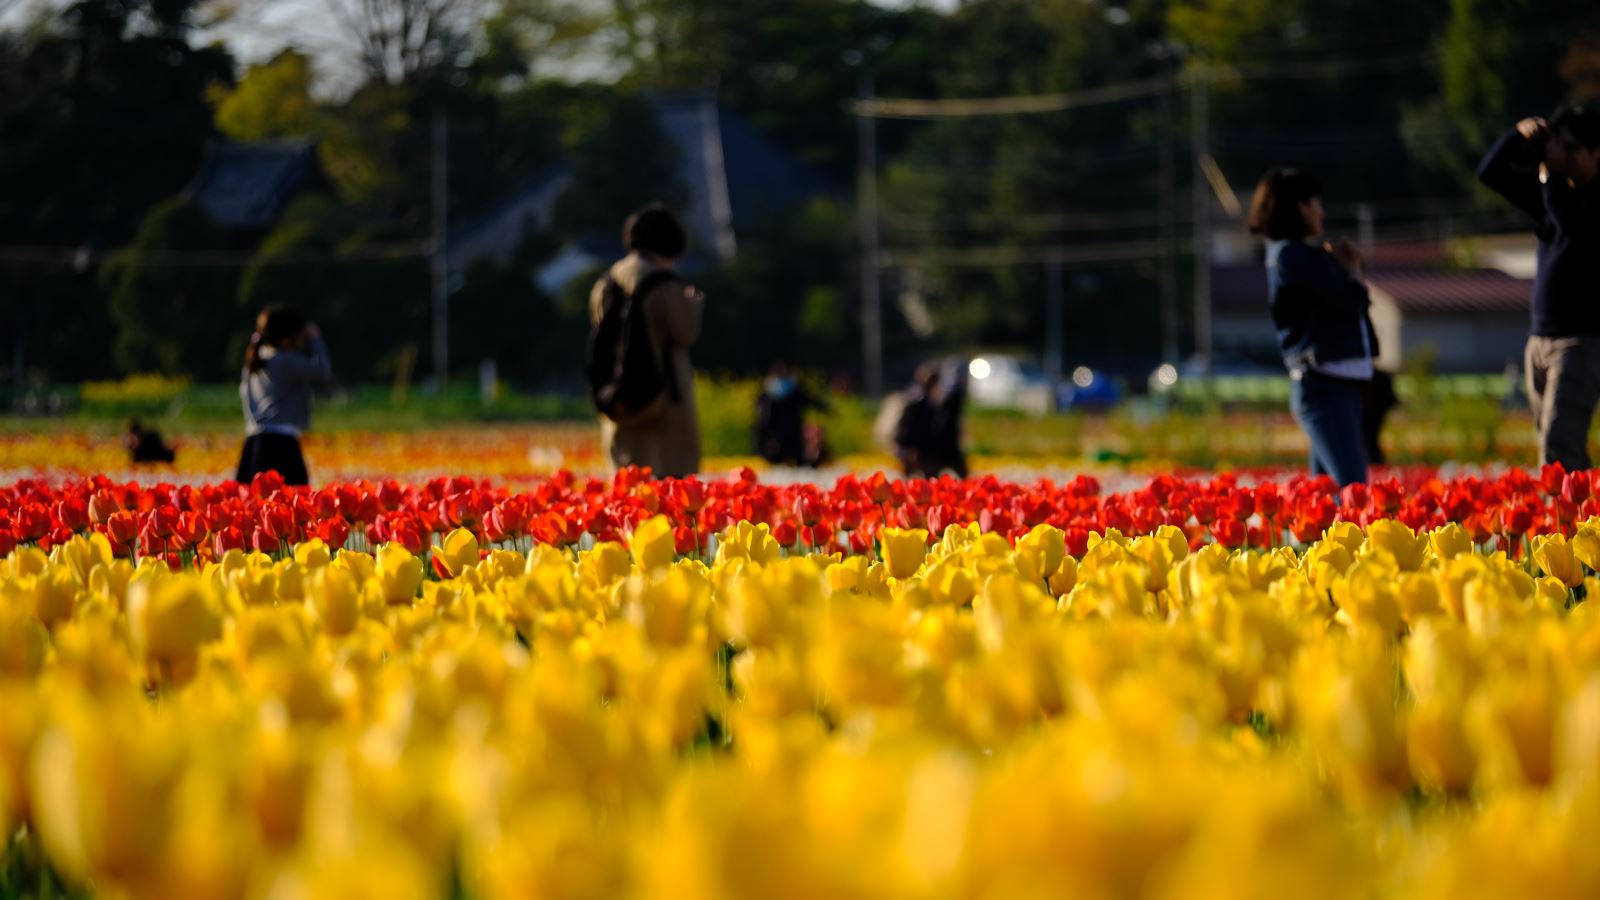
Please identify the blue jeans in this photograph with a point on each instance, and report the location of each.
(1329, 409)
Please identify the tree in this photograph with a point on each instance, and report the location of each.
(167, 298)
(104, 115)
(272, 100)
(325, 260)
(620, 160)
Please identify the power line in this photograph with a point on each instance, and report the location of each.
(83, 257)
(1010, 106)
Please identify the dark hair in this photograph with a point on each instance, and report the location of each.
(654, 229)
(275, 326)
(1275, 209)
(1580, 122)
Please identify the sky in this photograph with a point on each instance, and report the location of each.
(305, 24)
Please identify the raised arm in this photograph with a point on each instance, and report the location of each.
(682, 305)
(311, 367)
(1512, 168)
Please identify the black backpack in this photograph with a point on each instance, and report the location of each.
(625, 377)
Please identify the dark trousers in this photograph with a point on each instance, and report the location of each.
(1329, 409)
(268, 452)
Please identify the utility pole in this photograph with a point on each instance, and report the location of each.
(440, 262)
(1055, 353)
(1169, 231)
(1366, 233)
(871, 288)
(1200, 88)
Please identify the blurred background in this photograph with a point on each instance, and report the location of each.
(1050, 189)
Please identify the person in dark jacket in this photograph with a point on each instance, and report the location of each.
(781, 418)
(286, 359)
(1548, 170)
(1319, 305)
(951, 408)
(916, 433)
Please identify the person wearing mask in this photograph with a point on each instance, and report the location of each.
(285, 361)
(1319, 304)
(1548, 170)
(642, 295)
(781, 418)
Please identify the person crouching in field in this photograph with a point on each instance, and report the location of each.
(1319, 304)
(286, 359)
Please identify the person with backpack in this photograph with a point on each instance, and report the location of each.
(644, 318)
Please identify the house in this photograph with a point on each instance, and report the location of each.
(1447, 301)
(736, 180)
(245, 187)
(495, 234)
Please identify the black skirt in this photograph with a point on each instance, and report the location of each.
(267, 452)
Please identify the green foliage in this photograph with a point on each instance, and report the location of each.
(620, 160)
(273, 100)
(109, 106)
(165, 296)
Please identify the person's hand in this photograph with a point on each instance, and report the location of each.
(1533, 128)
(1347, 255)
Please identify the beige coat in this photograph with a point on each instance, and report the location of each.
(668, 441)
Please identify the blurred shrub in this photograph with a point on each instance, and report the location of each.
(133, 395)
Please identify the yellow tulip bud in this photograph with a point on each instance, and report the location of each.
(903, 550)
(1556, 559)
(313, 554)
(1450, 541)
(652, 544)
(399, 574)
(335, 595)
(460, 550)
(170, 620)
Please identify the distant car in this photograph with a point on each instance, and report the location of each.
(1167, 376)
(1088, 390)
(1005, 381)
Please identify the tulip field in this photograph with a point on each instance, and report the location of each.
(1195, 687)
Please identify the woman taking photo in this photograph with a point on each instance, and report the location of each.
(1319, 305)
(285, 360)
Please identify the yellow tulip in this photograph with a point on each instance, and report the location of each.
(603, 565)
(1046, 546)
(170, 620)
(398, 574)
(313, 554)
(1586, 545)
(753, 543)
(652, 544)
(1556, 558)
(334, 593)
(460, 550)
(24, 642)
(950, 583)
(1367, 598)
(1450, 541)
(1065, 577)
(850, 575)
(1398, 540)
(903, 550)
